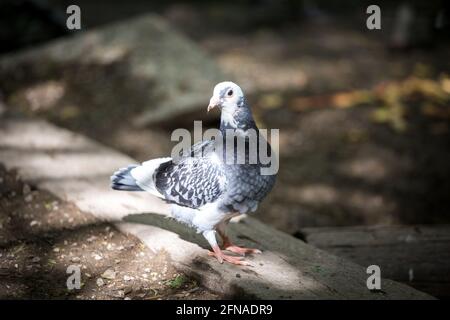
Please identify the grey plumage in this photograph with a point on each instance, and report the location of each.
(204, 189)
(194, 180)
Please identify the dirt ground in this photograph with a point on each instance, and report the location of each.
(41, 236)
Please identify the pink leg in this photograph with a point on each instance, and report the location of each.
(221, 257)
(229, 246)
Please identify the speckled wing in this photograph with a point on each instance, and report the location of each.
(195, 179)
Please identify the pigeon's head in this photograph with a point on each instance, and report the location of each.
(226, 94)
(229, 98)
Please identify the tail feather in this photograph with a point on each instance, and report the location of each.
(137, 177)
(144, 175)
(122, 180)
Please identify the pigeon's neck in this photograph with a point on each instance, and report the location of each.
(240, 118)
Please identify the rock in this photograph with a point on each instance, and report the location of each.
(128, 289)
(26, 189)
(109, 274)
(127, 278)
(141, 65)
(97, 257)
(100, 282)
(91, 238)
(33, 223)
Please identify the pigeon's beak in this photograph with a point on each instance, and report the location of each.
(214, 102)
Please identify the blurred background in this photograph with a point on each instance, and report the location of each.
(363, 114)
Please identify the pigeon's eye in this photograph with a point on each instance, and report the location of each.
(230, 93)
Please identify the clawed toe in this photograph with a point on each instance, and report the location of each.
(241, 250)
(221, 257)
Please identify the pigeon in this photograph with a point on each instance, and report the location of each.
(206, 189)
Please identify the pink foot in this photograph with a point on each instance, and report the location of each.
(221, 257)
(241, 250)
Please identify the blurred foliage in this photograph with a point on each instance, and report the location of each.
(394, 99)
(177, 282)
(397, 98)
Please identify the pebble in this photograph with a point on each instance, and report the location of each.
(33, 223)
(127, 278)
(90, 239)
(128, 289)
(120, 294)
(26, 189)
(109, 274)
(56, 249)
(75, 259)
(29, 198)
(35, 259)
(100, 282)
(97, 257)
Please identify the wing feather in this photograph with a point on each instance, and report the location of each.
(196, 179)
